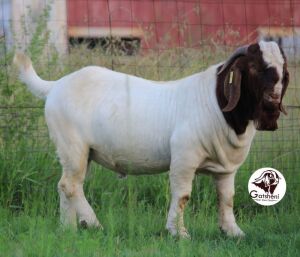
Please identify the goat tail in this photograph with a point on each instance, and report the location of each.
(38, 87)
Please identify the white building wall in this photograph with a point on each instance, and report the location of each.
(21, 18)
(5, 19)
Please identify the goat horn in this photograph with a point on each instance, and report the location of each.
(238, 52)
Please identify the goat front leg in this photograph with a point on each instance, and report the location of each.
(182, 172)
(181, 187)
(225, 192)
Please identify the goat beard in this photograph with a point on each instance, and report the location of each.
(266, 116)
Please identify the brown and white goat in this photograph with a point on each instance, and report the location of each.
(203, 123)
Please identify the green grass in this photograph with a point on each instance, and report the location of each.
(26, 235)
(133, 213)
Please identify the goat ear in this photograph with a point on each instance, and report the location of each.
(285, 83)
(232, 88)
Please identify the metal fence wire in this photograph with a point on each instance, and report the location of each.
(155, 39)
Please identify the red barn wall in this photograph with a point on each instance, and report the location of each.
(187, 23)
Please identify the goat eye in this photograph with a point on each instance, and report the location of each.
(253, 70)
(260, 74)
(263, 70)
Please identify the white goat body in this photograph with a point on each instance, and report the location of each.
(137, 126)
(131, 123)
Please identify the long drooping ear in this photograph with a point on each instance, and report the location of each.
(285, 82)
(232, 87)
(232, 82)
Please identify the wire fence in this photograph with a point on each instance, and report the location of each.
(155, 39)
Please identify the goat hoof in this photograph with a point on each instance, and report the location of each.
(181, 233)
(184, 235)
(83, 224)
(233, 232)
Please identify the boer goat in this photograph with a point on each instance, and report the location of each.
(203, 123)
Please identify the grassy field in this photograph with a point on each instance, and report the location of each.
(133, 211)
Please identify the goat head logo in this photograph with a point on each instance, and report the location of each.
(266, 186)
(267, 181)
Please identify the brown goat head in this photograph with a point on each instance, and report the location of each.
(251, 85)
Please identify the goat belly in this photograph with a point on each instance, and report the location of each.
(134, 165)
(131, 145)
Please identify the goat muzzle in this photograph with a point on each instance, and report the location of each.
(272, 98)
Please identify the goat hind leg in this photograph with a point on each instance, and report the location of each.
(67, 211)
(70, 187)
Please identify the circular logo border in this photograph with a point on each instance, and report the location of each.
(267, 186)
